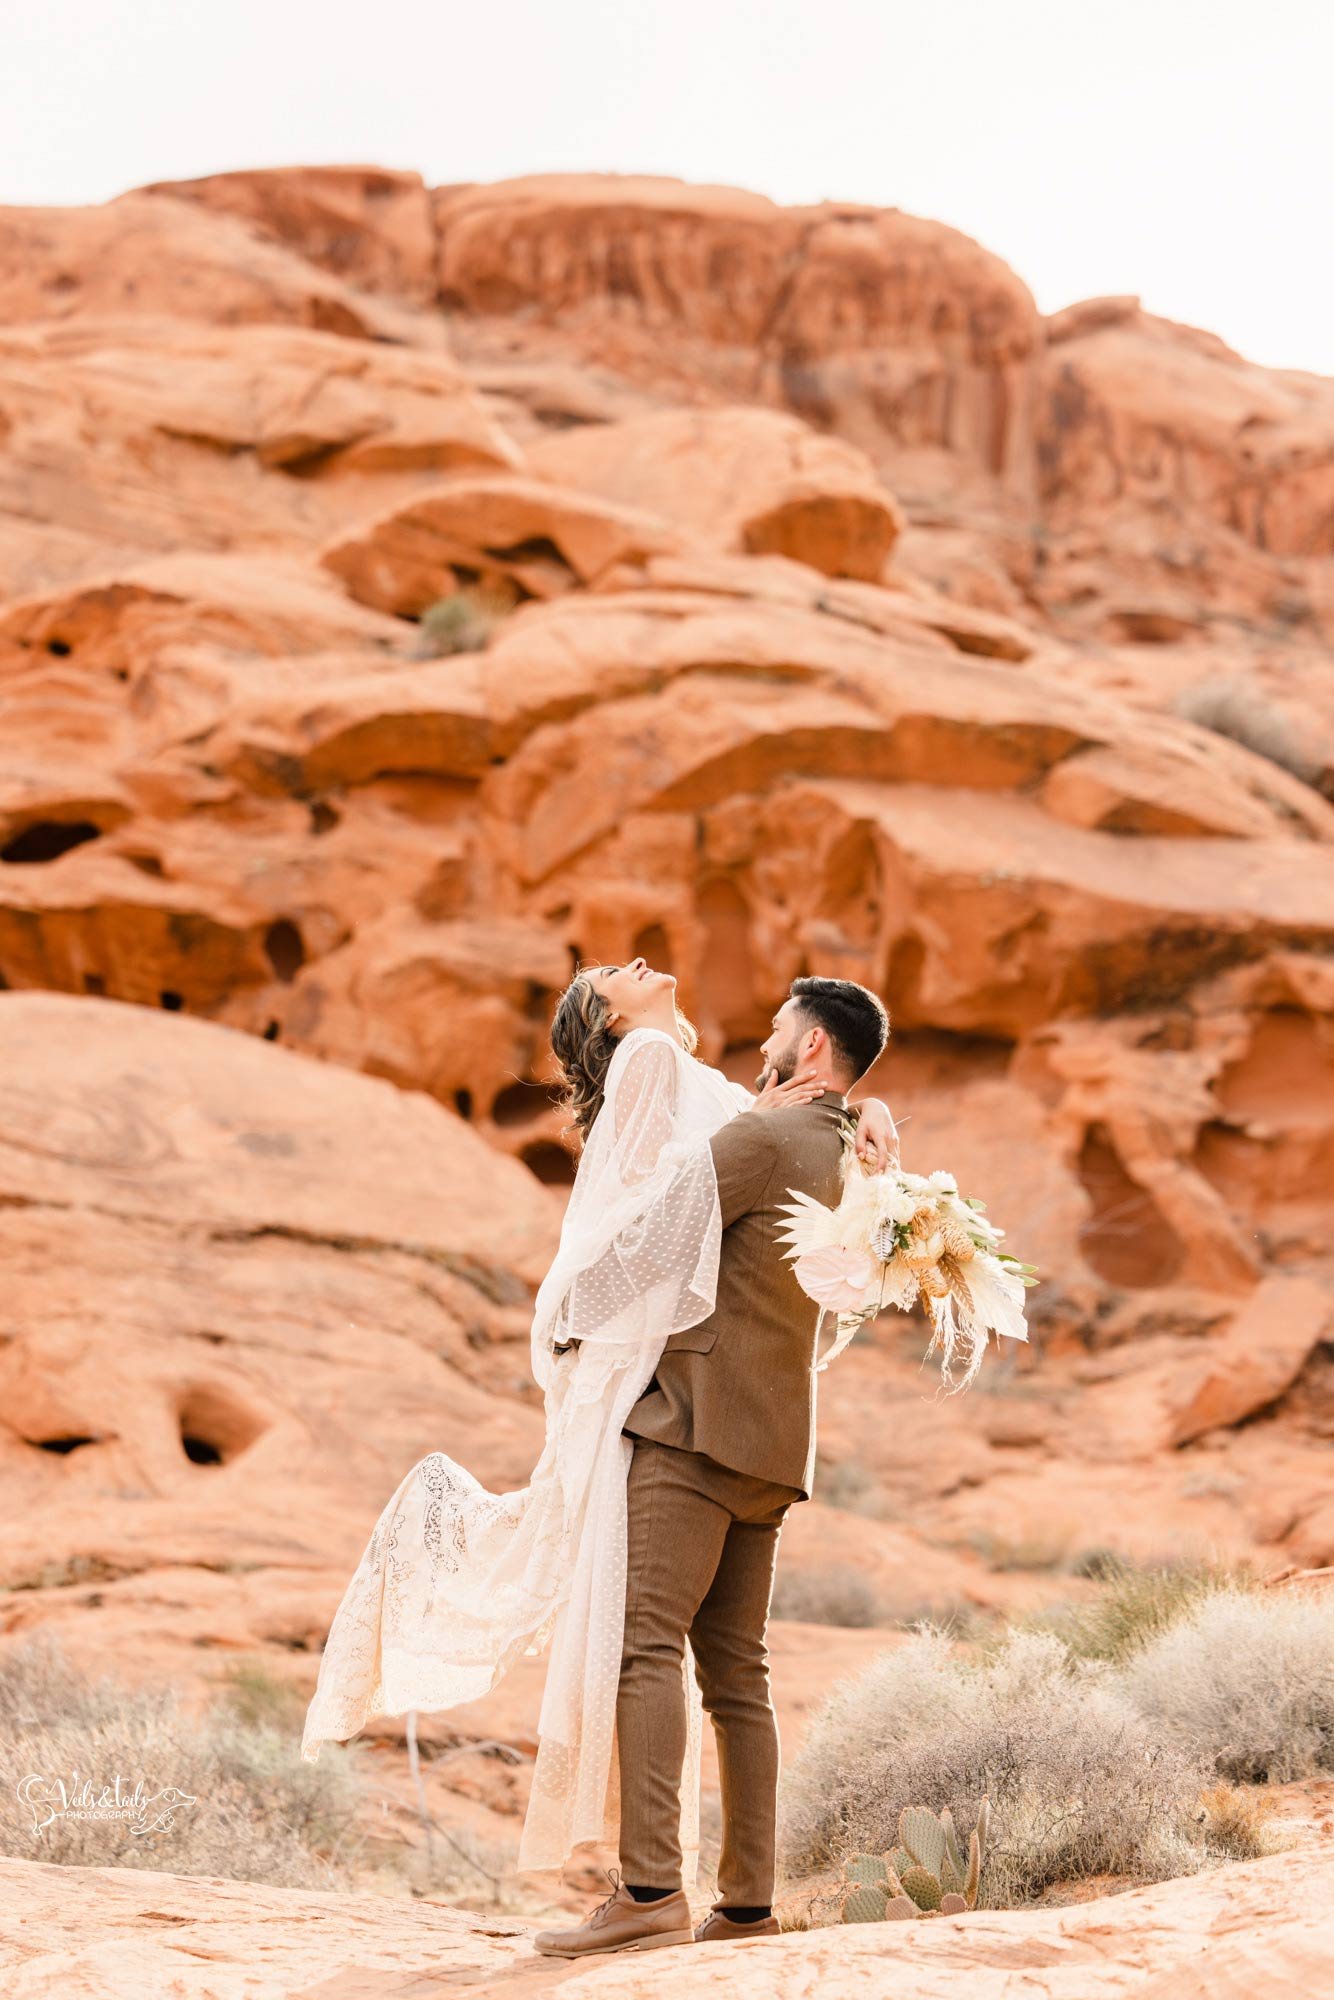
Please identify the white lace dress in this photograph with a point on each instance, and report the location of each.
(457, 1582)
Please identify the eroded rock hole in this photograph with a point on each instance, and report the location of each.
(550, 1162)
(520, 1103)
(63, 1446)
(726, 982)
(172, 1003)
(907, 961)
(61, 648)
(463, 1103)
(652, 943)
(323, 817)
(284, 949)
(536, 549)
(48, 839)
(215, 1427)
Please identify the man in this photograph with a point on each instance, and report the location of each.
(724, 1443)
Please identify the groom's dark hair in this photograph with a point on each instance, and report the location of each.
(854, 1018)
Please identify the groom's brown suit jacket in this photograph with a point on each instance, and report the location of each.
(740, 1386)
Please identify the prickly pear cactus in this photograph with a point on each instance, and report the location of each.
(924, 1888)
(924, 1876)
(863, 1903)
(923, 1836)
(870, 1868)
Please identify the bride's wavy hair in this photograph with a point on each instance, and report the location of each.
(583, 1044)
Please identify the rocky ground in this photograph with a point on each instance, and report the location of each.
(90, 1934)
(840, 613)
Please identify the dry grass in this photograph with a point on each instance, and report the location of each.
(259, 1813)
(1239, 1825)
(1234, 709)
(1244, 1683)
(459, 1866)
(1079, 1783)
(852, 1486)
(1136, 1603)
(257, 1697)
(837, 1595)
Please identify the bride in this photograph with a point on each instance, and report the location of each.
(458, 1582)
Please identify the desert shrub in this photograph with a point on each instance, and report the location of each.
(459, 1866)
(1078, 1782)
(462, 622)
(1040, 1552)
(1239, 1824)
(1233, 709)
(256, 1696)
(259, 1813)
(838, 1595)
(1244, 1682)
(1137, 1601)
(847, 1483)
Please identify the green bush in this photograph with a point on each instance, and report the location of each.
(462, 622)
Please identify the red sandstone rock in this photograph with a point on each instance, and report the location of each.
(740, 479)
(152, 254)
(543, 539)
(211, 438)
(837, 312)
(1256, 1927)
(366, 224)
(1258, 1357)
(325, 1231)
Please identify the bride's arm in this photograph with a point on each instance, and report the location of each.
(877, 1135)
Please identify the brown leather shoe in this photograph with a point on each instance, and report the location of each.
(621, 1924)
(716, 1927)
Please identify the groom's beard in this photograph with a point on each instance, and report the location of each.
(783, 1067)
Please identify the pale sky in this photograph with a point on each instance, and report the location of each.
(1179, 149)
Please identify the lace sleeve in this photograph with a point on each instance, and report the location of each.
(638, 1258)
(643, 1108)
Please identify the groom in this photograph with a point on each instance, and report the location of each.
(724, 1443)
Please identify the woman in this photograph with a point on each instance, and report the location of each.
(458, 1582)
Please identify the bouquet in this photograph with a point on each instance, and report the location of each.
(896, 1237)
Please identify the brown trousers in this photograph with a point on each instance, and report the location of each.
(702, 1544)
